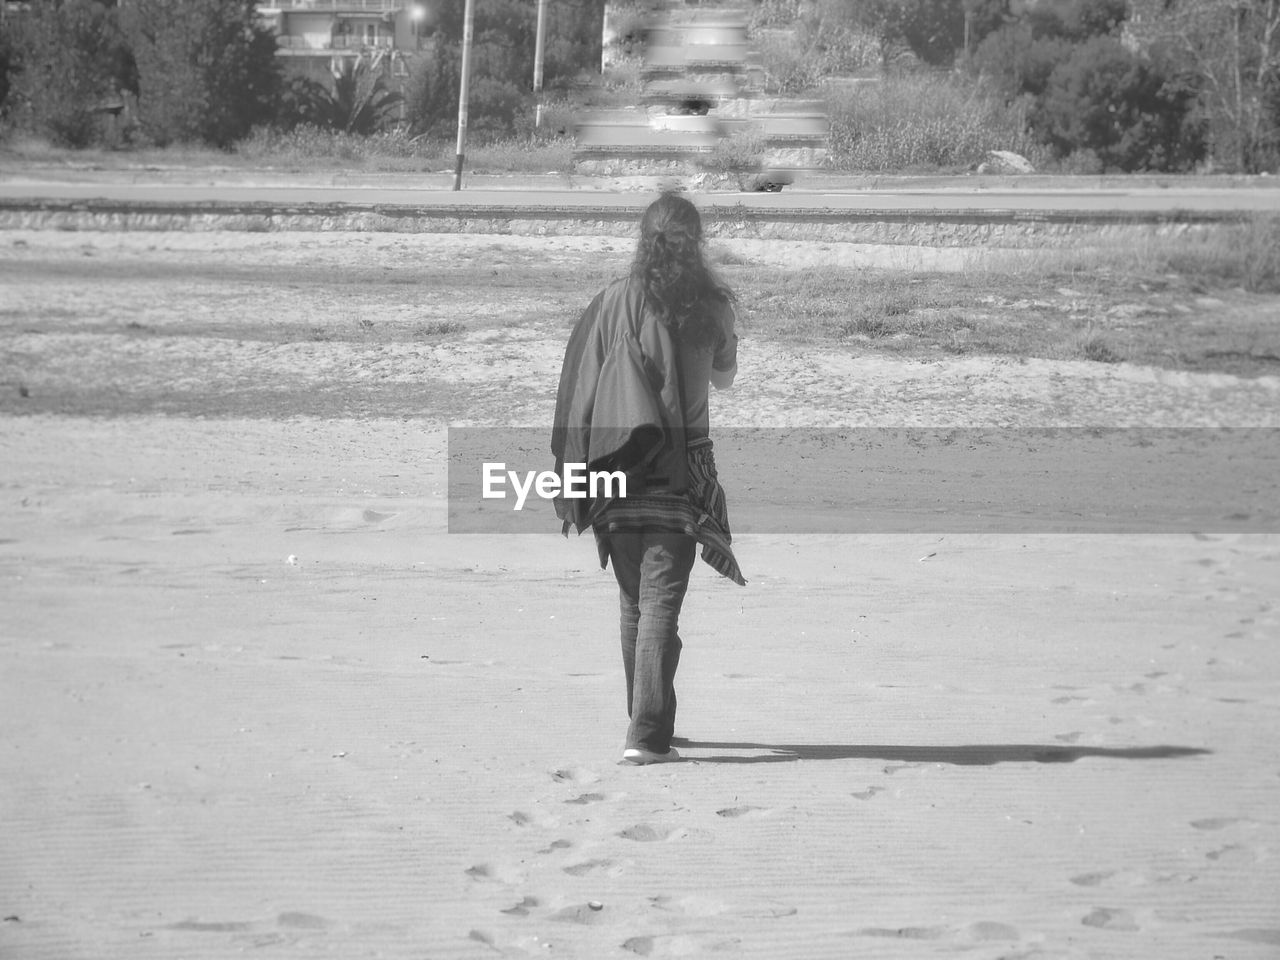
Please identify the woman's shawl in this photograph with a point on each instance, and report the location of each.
(618, 406)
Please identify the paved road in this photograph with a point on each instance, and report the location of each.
(832, 194)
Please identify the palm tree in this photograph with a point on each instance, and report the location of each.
(361, 101)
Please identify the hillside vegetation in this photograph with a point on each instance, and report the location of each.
(1086, 86)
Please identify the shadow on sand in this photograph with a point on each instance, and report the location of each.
(980, 754)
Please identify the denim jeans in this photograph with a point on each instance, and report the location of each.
(652, 569)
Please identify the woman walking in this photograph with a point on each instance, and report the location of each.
(633, 398)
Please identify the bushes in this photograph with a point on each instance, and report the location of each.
(1088, 96)
(207, 71)
(64, 61)
(1123, 109)
(502, 63)
(359, 102)
(922, 121)
(308, 147)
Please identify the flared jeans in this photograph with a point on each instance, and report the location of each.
(652, 569)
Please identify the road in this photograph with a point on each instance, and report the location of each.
(829, 194)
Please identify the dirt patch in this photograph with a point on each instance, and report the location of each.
(473, 327)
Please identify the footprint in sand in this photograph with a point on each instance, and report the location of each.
(867, 794)
(1092, 879)
(982, 931)
(302, 921)
(905, 933)
(680, 945)
(497, 873)
(522, 819)
(646, 833)
(522, 908)
(606, 866)
(557, 845)
(579, 913)
(987, 930)
(1231, 852)
(1215, 823)
(746, 810)
(583, 799)
(893, 768)
(575, 775)
(1264, 935)
(1106, 918)
(226, 926)
(696, 906)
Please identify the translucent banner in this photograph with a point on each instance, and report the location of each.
(874, 480)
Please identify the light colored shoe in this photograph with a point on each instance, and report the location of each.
(641, 757)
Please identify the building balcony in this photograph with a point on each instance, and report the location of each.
(333, 6)
(305, 46)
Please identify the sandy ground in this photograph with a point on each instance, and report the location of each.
(258, 701)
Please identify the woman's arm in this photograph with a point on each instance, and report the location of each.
(724, 365)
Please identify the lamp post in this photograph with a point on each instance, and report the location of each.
(417, 13)
(539, 44)
(468, 17)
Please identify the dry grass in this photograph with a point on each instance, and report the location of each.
(309, 149)
(922, 122)
(1245, 255)
(1206, 301)
(331, 323)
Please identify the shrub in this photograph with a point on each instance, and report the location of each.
(1018, 61)
(207, 69)
(933, 29)
(361, 102)
(432, 92)
(1123, 108)
(64, 60)
(790, 66)
(1247, 255)
(495, 108)
(918, 121)
(740, 152)
(501, 62)
(814, 42)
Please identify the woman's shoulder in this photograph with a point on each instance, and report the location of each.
(720, 307)
(617, 291)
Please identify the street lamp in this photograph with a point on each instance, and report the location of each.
(539, 44)
(468, 18)
(417, 13)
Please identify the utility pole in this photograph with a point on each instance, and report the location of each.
(468, 18)
(539, 45)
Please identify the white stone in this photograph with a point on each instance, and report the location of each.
(1005, 161)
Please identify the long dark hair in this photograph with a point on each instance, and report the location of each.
(670, 263)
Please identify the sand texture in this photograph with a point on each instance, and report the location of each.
(256, 700)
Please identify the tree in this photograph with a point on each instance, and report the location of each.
(8, 66)
(502, 55)
(69, 59)
(1233, 46)
(207, 69)
(1123, 108)
(1018, 61)
(361, 102)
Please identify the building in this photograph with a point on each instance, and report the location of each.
(315, 36)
